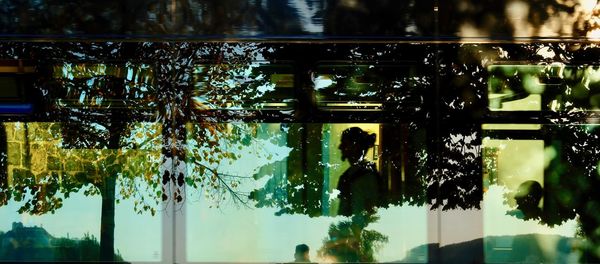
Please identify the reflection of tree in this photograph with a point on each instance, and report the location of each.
(568, 192)
(567, 89)
(456, 181)
(42, 173)
(455, 18)
(378, 18)
(103, 133)
(571, 177)
(208, 140)
(508, 19)
(349, 241)
(401, 91)
(3, 167)
(108, 127)
(454, 147)
(446, 157)
(155, 17)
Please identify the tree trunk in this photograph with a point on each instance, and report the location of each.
(116, 128)
(107, 224)
(3, 166)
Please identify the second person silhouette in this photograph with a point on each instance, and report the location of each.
(359, 184)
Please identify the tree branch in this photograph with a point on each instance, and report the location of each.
(232, 192)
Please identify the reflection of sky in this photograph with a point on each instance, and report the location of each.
(239, 234)
(80, 214)
(306, 13)
(233, 234)
(137, 237)
(465, 225)
(497, 222)
(257, 235)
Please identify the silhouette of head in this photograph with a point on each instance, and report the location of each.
(355, 143)
(528, 197)
(301, 254)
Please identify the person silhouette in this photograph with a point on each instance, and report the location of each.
(302, 254)
(528, 197)
(359, 184)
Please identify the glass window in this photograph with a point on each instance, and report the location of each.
(291, 185)
(552, 87)
(103, 86)
(252, 86)
(16, 82)
(333, 152)
(62, 202)
(366, 87)
(526, 200)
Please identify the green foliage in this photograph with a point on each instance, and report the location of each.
(99, 96)
(33, 246)
(89, 249)
(349, 241)
(43, 190)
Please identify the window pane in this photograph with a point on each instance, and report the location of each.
(552, 87)
(16, 82)
(529, 192)
(91, 85)
(252, 86)
(366, 87)
(287, 190)
(60, 198)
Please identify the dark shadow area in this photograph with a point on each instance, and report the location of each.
(208, 18)
(515, 19)
(35, 244)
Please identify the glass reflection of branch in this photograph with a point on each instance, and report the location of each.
(104, 85)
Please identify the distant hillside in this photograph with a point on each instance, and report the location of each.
(23, 243)
(530, 248)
